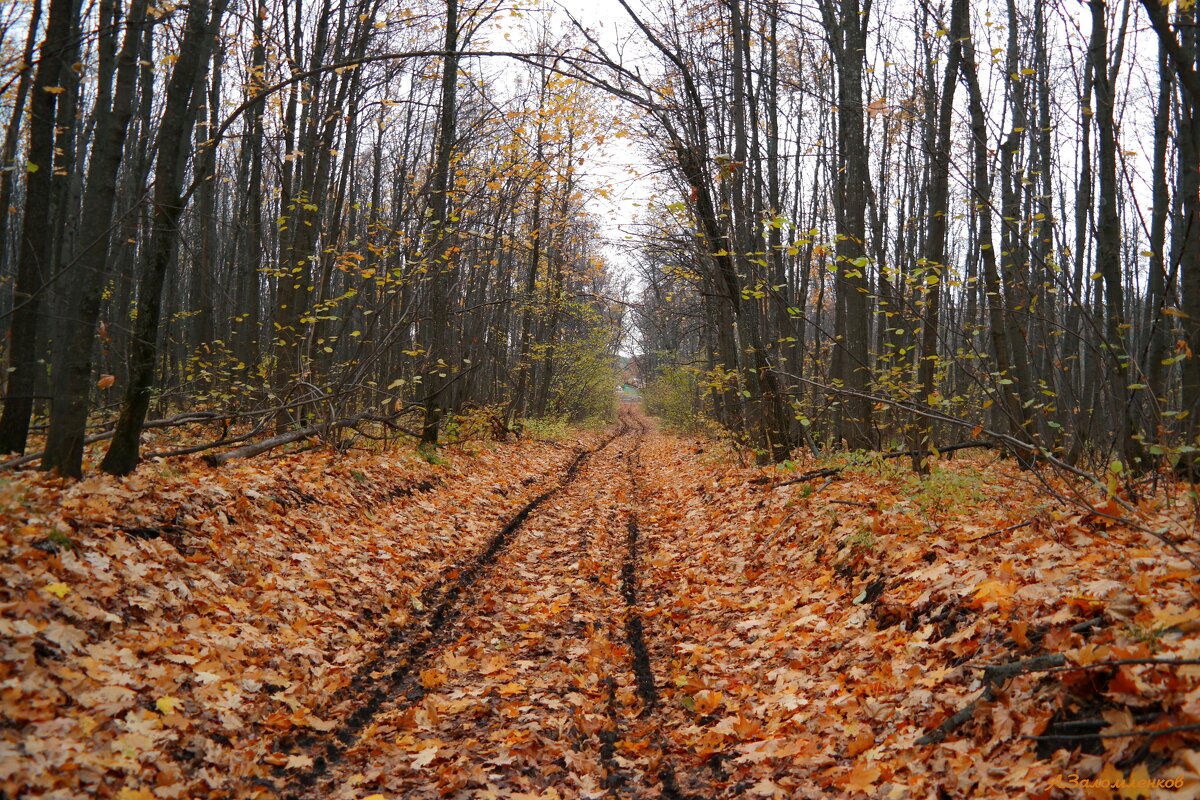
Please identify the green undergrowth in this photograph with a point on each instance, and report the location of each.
(674, 396)
(544, 429)
(945, 489)
(950, 485)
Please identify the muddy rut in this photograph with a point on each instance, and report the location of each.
(531, 669)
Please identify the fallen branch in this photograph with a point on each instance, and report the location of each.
(256, 448)
(200, 448)
(1014, 527)
(1121, 662)
(953, 723)
(997, 674)
(1088, 624)
(808, 476)
(1150, 732)
(186, 418)
(994, 676)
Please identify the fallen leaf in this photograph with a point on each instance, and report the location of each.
(167, 705)
(766, 788)
(425, 757)
(68, 637)
(135, 794)
(863, 776)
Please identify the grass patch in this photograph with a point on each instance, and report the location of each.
(544, 429)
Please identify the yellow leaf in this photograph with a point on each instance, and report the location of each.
(708, 701)
(59, 590)
(374, 797)
(992, 590)
(135, 794)
(53, 89)
(31, 167)
(1135, 787)
(861, 743)
(167, 705)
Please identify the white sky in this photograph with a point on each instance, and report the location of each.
(621, 165)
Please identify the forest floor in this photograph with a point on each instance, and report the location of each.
(625, 614)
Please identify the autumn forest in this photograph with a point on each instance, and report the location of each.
(622, 399)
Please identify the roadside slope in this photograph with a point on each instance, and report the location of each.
(810, 634)
(166, 631)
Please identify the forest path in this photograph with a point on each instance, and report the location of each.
(536, 675)
(622, 614)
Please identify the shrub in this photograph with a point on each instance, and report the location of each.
(945, 489)
(584, 376)
(476, 423)
(544, 429)
(674, 397)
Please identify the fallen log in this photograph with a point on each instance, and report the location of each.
(257, 448)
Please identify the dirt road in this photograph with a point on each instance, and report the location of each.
(533, 671)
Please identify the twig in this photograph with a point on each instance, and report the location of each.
(1009, 529)
(952, 723)
(808, 476)
(1088, 624)
(1014, 444)
(823, 486)
(1151, 732)
(1122, 662)
(199, 448)
(758, 548)
(996, 674)
(993, 676)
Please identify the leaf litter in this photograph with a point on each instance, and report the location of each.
(658, 623)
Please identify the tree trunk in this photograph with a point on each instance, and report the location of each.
(73, 376)
(173, 138)
(935, 236)
(1108, 239)
(437, 251)
(37, 238)
(846, 25)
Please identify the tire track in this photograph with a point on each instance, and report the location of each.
(635, 631)
(406, 648)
